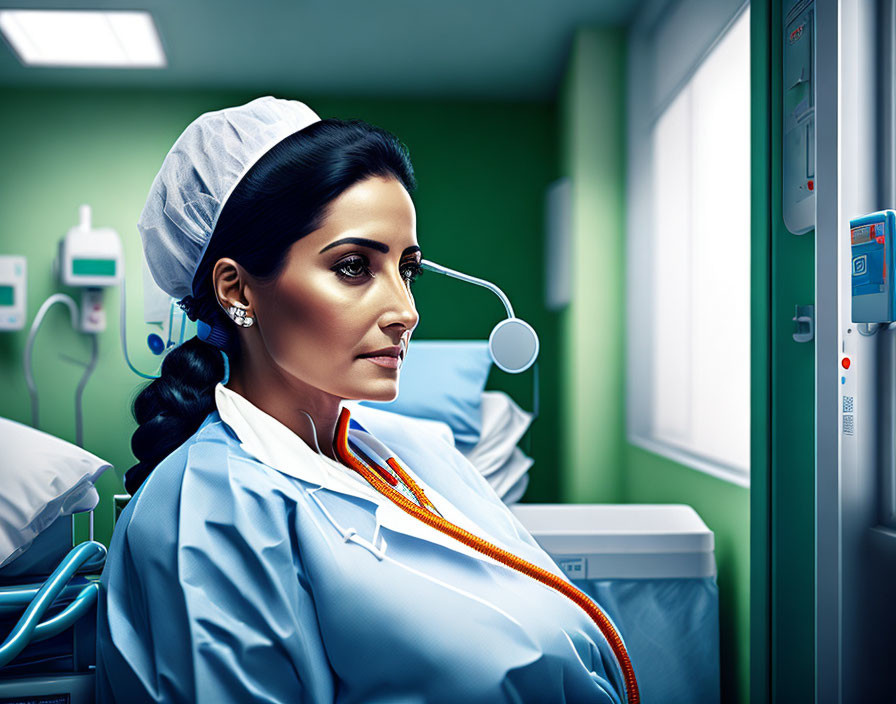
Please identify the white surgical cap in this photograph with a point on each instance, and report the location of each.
(197, 177)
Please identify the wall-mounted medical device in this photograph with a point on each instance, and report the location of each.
(871, 239)
(798, 167)
(90, 259)
(13, 285)
(161, 309)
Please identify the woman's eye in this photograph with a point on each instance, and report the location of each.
(411, 271)
(354, 268)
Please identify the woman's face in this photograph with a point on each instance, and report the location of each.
(345, 292)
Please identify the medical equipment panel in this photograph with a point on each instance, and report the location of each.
(89, 257)
(872, 266)
(799, 117)
(13, 286)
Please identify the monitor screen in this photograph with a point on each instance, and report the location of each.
(93, 267)
(861, 234)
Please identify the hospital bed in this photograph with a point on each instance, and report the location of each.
(48, 589)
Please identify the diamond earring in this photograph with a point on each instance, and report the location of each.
(238, 315)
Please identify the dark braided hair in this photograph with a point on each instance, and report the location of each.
(282, 198)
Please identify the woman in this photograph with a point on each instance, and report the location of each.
(275, 551)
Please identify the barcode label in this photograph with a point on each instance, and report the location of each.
(849, 426)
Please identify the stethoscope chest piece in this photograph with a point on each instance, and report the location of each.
(513, 345)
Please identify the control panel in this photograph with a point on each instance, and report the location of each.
(871, 240)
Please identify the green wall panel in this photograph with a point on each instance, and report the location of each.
(792, 484)
(760, 355)
(601, 465)
(593, 333)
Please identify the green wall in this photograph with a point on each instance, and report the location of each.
(603, 466)
(760, 352)
(482, 170)
(791, 503)
(593, 157)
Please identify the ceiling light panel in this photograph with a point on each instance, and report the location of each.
(83, 38)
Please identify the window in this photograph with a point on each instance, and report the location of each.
(692, 340)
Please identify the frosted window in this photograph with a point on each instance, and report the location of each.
(700, 193)
(672, 273)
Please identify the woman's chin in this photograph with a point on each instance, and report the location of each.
(381, 393)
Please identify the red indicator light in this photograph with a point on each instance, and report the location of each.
(845, 362)
(811, 185)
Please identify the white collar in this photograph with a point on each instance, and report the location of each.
(272, 443)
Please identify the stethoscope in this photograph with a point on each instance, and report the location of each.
(513, 343)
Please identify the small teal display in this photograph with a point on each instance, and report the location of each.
(7, 296)
(93, 267)
(871, 237)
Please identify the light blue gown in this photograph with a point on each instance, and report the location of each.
(248, 568)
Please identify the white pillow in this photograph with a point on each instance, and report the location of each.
(510, 473)
(499, 459)
(507, 478)
(516, 491)
(42, 477)
(503, 424)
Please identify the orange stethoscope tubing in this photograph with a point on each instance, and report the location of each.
(493, 551)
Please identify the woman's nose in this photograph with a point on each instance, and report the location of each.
(400, 307)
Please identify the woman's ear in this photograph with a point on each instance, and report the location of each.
(230, 281)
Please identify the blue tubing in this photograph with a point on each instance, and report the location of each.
(15, 599)
(67, 617)
(29, 628)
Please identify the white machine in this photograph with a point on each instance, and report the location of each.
(13, 287)
(652, 569)
(90, 259)
(161, 309)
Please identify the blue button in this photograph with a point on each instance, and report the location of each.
(842, 379)
(156, 345)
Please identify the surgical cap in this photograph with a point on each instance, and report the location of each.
(197, 177)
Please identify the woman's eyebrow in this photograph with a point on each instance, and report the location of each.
(373, 244)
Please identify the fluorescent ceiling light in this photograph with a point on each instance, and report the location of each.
(83, 38)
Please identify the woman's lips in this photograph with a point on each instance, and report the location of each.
(388, 362)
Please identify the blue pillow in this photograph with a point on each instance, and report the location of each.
(443, 380)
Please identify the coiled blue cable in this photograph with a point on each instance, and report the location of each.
(29, 627)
